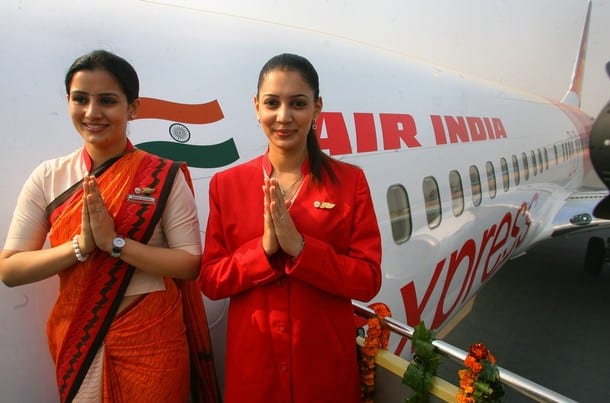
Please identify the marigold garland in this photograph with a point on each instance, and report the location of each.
(423, 366)
(480, 380)
(376, 338)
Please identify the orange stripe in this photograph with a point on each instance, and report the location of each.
(153, 108)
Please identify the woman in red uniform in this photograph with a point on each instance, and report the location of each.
(292, 256)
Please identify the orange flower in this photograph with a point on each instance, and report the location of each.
(385, 338)
(466, 382)
(374, 332)
(369, 350)
(465, 399)
(472, 379)
(476, 368)
(381, 309)
(369, 379)
(478, 351)
(470, 361)
(376, 338)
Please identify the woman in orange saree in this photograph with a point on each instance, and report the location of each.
(129, 323)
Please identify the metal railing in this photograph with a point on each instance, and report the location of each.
(516, 382)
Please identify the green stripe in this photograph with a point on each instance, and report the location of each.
(196, 156)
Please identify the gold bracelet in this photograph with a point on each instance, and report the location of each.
(79, 255)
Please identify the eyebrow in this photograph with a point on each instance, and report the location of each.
(101, 94)
(291, 96)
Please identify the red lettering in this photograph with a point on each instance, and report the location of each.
(366, 135)
(499, 130)
(504, 228)
(464, 130)
(477, 130)
(337, 139)
(527, 221)
(396, 127)
(457, 129)
(439, 129)
(468, 251)
(409, 297)
(497, 238)
(489, 232)
(489, 128)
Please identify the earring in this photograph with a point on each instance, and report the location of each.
(314, 125)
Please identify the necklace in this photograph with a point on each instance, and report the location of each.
(288, 193)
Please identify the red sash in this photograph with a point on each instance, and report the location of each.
(90, 292)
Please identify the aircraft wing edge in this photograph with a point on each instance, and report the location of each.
(576, 215)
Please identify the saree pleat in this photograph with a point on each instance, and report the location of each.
(146, 352)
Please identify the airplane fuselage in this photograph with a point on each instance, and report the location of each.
(464, 174)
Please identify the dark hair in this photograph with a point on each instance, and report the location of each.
(318, 160)
(118, 67)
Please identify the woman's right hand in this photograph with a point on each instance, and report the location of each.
(97, 227)
(86, 243)
(270, 241)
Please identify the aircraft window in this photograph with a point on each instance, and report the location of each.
(540, 168)
(433, 201)
(574, 148)
(556, 154)
(457, 193)
(475, 184)
(534, 166)
(516, 170)
(505, 175)
(491, 179)
(400, 213)
(546, 159)
(526, 169)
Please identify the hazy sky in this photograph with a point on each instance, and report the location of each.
(529, 44)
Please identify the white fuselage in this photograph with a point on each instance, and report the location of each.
(404, 122)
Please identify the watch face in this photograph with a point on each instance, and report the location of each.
(118, 242)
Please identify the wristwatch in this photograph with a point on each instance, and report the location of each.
(117, 245)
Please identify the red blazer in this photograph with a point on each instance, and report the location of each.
(291, 333)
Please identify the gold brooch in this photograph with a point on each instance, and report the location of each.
(144, 191)
(324, 205)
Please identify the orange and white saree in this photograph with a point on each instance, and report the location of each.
(159, 346)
